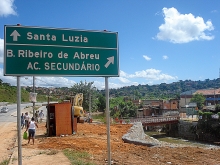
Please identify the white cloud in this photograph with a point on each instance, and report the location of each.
(99, 84)
(146, 58)
(54, 81)
(39, 81)
(123, 74)
(149, 76)
(124, 80)
(152, 74)
(165, 57)
(7, 7)
(183, 28)
(1, 50)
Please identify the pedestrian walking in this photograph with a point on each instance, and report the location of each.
(36, 116)
(41, 115)
(31, 130)
(26, 119)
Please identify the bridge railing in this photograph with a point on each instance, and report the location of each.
(148, 119)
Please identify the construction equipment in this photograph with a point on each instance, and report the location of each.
(78, 108)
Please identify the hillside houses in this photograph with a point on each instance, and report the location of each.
(158, 107)
(212, 96)
(174, 106)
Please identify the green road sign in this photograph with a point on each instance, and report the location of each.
(57, 52)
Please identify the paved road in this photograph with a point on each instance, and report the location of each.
(11, 115)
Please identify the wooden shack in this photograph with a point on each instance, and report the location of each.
(60, 119)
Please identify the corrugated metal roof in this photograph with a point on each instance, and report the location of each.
(188, 92)
(209, 91)
(202, 91)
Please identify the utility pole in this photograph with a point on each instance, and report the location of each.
(90, 106)
(214, 96)
(33, 92)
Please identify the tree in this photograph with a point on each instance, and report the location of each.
(101, 104)
(127, 109)
(217, 107)
(121, 108)
(199, 99)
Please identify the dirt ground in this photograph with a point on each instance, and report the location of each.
(92, 138)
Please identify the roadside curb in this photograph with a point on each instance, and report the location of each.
(13, 152)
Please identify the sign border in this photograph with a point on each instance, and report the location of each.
(58, 75)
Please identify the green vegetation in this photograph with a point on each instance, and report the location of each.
(163, 90)
(206, 115)
(121, 107)
(120, 99)
(217, 107)
(9, 94)
(199, 99)
(99, 117)
(5, 162)
(208, 125)
(77, 157)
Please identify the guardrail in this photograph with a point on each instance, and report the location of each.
(149, 120)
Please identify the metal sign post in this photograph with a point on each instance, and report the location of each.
(108, 120)
(33, 101)
(19, 120)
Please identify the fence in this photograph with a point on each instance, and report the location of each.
(148, 120)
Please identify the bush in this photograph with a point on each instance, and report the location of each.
(206, 115)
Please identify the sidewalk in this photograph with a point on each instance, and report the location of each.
(31, 154)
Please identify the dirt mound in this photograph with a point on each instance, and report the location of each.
(137, 136)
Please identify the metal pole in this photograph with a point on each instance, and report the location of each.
(214, 96)
(48, 114)
(33, 92)
(19, 120)
(108, 120)
(90, 102)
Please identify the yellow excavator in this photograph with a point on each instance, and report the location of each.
(77, 108)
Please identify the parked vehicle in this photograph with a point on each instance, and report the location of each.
(4, 110)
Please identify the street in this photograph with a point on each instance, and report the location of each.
(11, 115)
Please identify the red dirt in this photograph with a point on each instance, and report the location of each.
(92, 138)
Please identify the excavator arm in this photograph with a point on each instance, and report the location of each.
(77, 107)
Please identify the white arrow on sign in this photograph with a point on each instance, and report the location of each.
(15, 35)
(110, 60)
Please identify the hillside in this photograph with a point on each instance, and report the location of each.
(163, 90)
(160, 91)
(9, 94)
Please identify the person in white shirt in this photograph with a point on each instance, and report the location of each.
(31, 130)
(26, 119)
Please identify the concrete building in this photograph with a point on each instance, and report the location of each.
(158, 107)
(212, 96)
